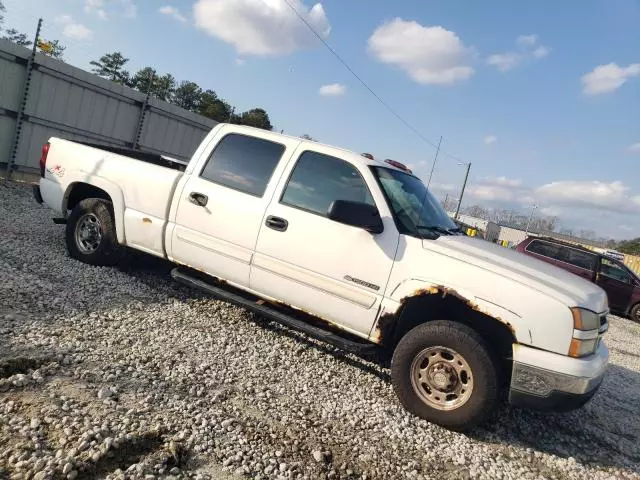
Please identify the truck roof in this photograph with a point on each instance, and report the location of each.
(354, 157)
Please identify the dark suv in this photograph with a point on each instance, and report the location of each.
(620, 283)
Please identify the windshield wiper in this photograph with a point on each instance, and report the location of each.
(438, 229)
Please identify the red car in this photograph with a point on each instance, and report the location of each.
(620, 283)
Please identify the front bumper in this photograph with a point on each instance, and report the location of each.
(548, 381)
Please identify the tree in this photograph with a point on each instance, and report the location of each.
(52, 48)
(187, 96)
(165, 86)
(213, 107)
(2, 9)
(630, 247)
(110, 66)
(144, 80)
(16, 37)
(255, 117)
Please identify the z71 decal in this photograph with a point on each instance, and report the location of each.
(56, 170)
(362, 282)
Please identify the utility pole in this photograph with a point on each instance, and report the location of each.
(17, 136)
(434, 162)
(533, 209)
(464, 185)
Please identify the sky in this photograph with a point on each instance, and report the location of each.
(542, 98)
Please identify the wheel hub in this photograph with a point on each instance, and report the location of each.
(88, 233)
(441, 377)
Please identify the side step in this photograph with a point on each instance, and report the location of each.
(249, 302)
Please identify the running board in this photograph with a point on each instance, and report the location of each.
(251, 303)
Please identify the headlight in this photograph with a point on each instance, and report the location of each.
(586, 326)
(585, 319)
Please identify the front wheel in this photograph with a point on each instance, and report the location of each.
(635, 313)
(91, 233)
(444, 372)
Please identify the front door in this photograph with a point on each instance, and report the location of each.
(614, 279)
(329, 269)
(222, 204)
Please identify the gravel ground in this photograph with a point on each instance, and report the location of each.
(119, 373)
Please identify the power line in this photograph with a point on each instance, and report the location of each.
(365, 85)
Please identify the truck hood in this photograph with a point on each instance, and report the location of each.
(546, 278)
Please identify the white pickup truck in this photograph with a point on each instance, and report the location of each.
(348, 249)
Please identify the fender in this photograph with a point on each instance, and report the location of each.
(75, 177)
(413, 288)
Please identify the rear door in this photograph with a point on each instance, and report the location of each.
(222, 203)
(335, 271)
(614, 279)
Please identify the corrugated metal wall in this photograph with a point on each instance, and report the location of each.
(68, 102)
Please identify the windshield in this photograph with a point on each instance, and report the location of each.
(417, 210)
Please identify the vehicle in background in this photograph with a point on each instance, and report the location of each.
(621, 284)
(351, 250)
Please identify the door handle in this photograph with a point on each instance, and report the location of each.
(277, 223)
(198, 199)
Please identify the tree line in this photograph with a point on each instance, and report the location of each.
(185, 94)
(52, 48)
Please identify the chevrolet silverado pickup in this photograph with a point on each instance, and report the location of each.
(348, 249)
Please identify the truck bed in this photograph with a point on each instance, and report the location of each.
(148, 157)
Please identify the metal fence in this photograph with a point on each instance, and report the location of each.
(41, 97)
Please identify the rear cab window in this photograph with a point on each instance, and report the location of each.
(243, 163)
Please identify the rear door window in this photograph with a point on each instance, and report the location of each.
(243, 163)
(546, 249)
(581, 259)
(614, 270)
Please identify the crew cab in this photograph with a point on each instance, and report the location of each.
(605, 269)
(354, 251)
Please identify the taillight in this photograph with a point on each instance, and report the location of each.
(43, 158)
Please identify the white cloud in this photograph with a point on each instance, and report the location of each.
(540, 52)
(129, 9)
(239, 62)
(125, 8)
(73, 30)
(95, 7)
(489, 139)
(551, 211)
(430, 55)
(491, 192)
(613, 196)
(608, 78)
(172, 12)
(504, 61)
(508, 60)
(332, 90)
(635, 148)
(527, 40)
(261, 27)
(503, 181)
(626, 228)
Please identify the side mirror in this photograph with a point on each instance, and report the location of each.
(356, 214)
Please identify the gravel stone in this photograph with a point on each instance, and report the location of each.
(125, 365)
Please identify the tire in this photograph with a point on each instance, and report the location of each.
(437, 346)
(91, 233)
(634, 313)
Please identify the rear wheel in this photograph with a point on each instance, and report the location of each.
(635, 313)
(444, 372)
(91, 233)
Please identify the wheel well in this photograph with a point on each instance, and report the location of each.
(80, 191)
(436, 306)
